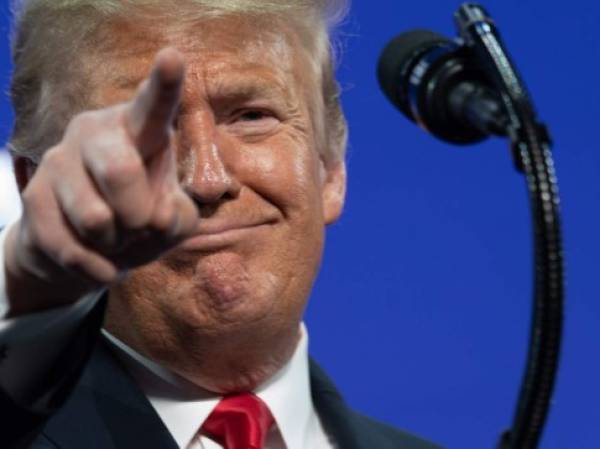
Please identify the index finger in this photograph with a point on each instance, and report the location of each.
(152, 111)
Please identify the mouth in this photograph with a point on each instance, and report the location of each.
(217, 236)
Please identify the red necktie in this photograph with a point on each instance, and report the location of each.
(240, 421)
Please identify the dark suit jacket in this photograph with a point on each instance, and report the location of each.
(107, 410)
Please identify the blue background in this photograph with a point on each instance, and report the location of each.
(421, 312)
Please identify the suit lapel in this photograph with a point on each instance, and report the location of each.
(351, 430)
(108, 410)
(117, 413)
(334, 413)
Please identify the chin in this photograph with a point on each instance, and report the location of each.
(222, 294)
(224, 324)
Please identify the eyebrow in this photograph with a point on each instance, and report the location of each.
(240, 85)
(244, 86)
(126, 82)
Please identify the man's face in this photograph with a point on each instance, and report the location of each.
(249, 155)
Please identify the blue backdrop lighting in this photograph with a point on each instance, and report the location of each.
(421, 311)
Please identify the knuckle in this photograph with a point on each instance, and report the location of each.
(69, 257)
(95, 217)
(43, 241)
(52, 159)
(29, 200)
(122, 172)
(35, 195)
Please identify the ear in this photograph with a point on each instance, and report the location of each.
(24, 170)
(333, 190)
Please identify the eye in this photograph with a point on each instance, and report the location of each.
(253, 115)
(253, 122)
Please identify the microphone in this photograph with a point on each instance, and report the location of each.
(463, 91)
(439, 84)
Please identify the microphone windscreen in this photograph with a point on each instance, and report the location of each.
(397, 60)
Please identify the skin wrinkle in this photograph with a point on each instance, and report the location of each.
(235, 311)
(225, 317)
(94, 33)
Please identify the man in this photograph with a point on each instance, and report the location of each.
(178, 163)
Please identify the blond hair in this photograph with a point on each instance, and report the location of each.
(47, 35)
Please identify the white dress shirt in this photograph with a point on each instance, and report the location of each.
(31, 343)
(183, 406)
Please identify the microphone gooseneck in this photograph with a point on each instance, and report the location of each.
(463, 91)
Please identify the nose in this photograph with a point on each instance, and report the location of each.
(204, 172)
(210, 181)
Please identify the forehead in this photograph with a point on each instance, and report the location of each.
(250, 50)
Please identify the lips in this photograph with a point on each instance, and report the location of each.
(214, 228)
(213, 235)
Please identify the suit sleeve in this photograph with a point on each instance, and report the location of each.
(41, 358)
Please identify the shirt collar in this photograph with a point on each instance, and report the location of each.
(183, 406)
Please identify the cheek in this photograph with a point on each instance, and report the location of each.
(285, 171)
